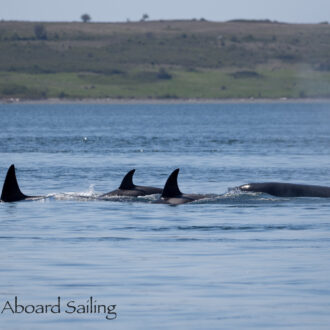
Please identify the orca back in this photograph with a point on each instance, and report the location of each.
(282, 189)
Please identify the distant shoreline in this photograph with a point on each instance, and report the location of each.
(162, 101)
(164, 61)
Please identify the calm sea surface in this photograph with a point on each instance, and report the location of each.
(233, 261)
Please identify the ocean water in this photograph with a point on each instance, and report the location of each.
(231, 261)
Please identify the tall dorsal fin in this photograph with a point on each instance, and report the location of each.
(127, 182)
(10, 190)
(171, 188)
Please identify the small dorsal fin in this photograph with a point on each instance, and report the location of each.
(171, 188)
(127, 182)
(10, 190)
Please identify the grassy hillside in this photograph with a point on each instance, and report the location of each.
(164, 59)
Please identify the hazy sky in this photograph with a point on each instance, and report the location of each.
(299, 11)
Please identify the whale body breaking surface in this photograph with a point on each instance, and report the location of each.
(280, 189)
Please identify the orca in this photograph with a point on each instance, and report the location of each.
(280, 189)
(172, 195)
(128, 188)
(10, 190)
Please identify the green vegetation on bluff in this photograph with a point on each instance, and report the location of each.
(165, 59)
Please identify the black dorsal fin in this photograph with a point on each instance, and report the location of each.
(171, 188)
(127, 182)
(10, 190)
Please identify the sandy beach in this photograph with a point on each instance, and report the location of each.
(159, 101)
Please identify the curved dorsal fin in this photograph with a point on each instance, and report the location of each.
(127, 182)
(171, 188)
(10, 190)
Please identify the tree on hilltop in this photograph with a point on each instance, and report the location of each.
(144, 17)
(85, 18)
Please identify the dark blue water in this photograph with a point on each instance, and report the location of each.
(231, 261)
